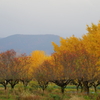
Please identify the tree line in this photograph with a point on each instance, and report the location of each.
(75, 61)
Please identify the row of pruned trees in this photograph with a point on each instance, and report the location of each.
(67, 67)
(13, 68)
(76, 61)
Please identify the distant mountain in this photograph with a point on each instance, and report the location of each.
(28, 43)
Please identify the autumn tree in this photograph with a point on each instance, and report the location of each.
(86, 69)
(38, 66)
(13, 68)
(41, 75)
(67, 52)
(91, 41)
(85, 62)
(26, 73)
(64, 69)
(37, 58)
(9, 69)
(3, 75)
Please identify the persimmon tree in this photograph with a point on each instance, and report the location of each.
(9, 67)
(63, 68)
(26, 73)
(3, 76)
(86, 69)
(67, 52)
(13, 68)
(40, 73)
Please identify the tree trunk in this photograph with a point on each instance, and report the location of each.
(77, 87)
(13, 83)
(81, 88)
(85, 87)
(12, 86)
(95, 88)
(5, 87)
(25, 83)
(62, 89)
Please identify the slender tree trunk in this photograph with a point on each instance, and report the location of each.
(5, 87)
(81, 88)
(25, 83)
(77, 87)
(95, 88)
(12, 86)
(62, 89)
(85, 87)
(13, 83)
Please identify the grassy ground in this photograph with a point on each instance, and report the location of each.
(34, 92)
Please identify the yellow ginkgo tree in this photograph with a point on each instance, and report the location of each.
(39, 63)
(91, 40)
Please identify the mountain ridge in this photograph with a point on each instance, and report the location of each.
(28, 43)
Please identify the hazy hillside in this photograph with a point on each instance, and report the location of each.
(28, 43)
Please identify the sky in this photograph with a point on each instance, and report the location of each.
(60, 17)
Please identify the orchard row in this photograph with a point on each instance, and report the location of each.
(76, 61)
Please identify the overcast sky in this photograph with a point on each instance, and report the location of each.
(60, 17)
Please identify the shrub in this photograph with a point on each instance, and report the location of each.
(55, 96)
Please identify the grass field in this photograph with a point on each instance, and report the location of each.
(34, 92)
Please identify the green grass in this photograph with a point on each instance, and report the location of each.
(34, 92)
